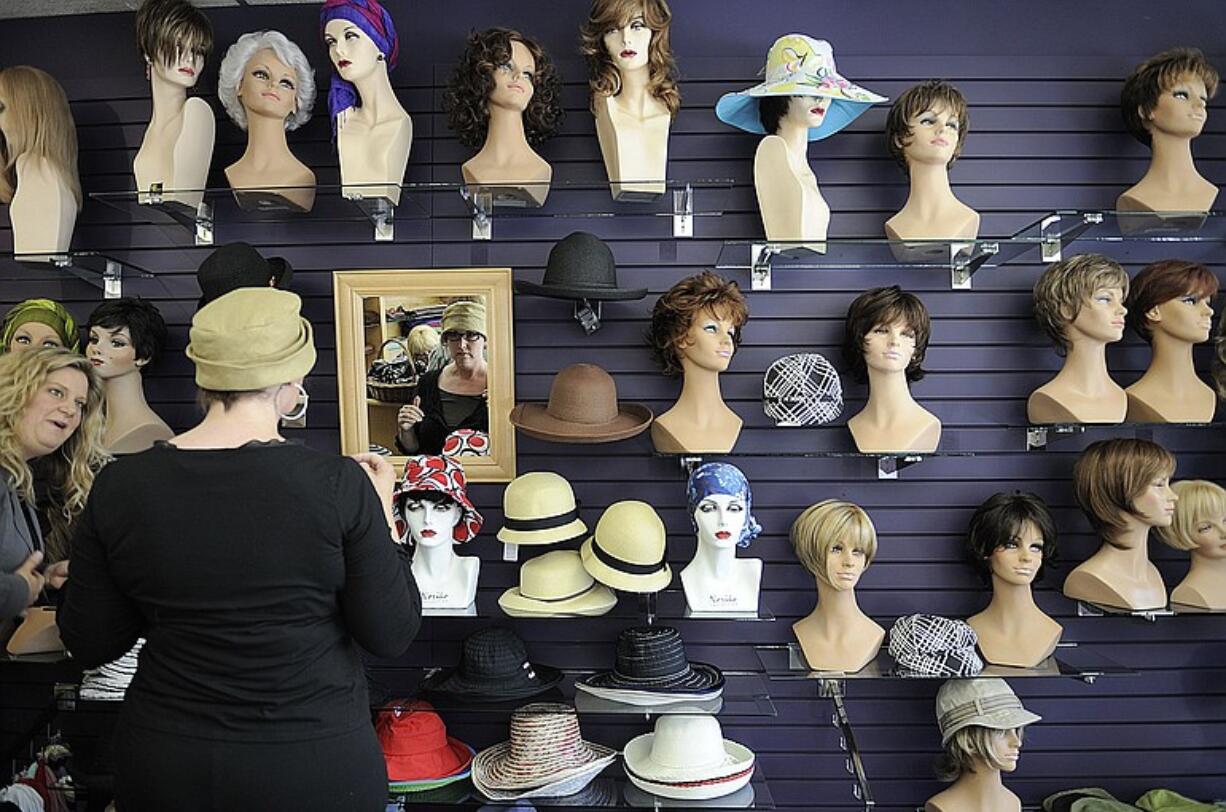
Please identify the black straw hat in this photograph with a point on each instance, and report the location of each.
(238, 265)
(651, 659)
(493, 666)
(580, 267)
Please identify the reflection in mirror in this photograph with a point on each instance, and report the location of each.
(425, 366)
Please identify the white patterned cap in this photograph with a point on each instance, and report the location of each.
(802, 390)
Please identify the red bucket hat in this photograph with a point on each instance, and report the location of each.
(426, 472)
(416, 746)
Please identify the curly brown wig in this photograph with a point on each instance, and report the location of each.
(1153, 77)
(661, 67)
(676, 310)
(467, 99)
(885, 306)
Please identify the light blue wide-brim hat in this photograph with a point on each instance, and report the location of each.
(798, 65)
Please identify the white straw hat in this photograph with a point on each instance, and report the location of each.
(688, 757)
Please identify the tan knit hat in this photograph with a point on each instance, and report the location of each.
(464, 317)
(250, 338)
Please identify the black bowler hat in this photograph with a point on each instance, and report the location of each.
(238, 265)
(580, 267)
(493, 666)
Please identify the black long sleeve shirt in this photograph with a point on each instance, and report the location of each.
(254, 574)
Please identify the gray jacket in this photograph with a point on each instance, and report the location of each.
(16, 544)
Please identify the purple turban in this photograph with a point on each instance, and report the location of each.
(377, 24)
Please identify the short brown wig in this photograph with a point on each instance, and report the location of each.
(676, 310)
(1065, 286)
(933, 94)
(968, 747)
(605, 80)
(467, 99)
(1155, 76)
(885, 306)
(166, 27)
(1160, 282)
(1110, 475)
(999, 520)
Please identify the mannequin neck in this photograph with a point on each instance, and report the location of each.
(836, 607)
(796, 136)
(888, 394)
(1127, 551)
(1086, 364)
(378, 100)
(1012, 605)
(700, 390)
(125, 395)
(434, 562)
(168, 97)
(1172, 166)
(1171, 363)
(266, 143)
(983, 782)
(713, 562)
(930, 192)
(1210, 569)
(633, 96)
(505, 141)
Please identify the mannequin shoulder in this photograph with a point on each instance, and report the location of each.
(1042, 407)
(771, 148)
(196, 110)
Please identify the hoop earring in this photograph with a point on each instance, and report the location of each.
(301, 410)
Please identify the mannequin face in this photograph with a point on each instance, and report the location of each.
(807, 111)
(182, 71)
(1156, 504)
(934, 137)
(1101, 317)
(53, 413)
(1188, 318)
(1181, 108)
(1017, 561)
(627, 46)
(1006, 749)
(268, 87)
(4, 119)
(721, 518)
(708, 343)
(844, 565)
(889, 347)
(431, 524)
(513, 80)
(354, 54)
(111, 351)
(1209, 533)
(33, 336)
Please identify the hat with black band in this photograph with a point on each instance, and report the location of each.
(627, 550)
(554, 584)
(540, 508)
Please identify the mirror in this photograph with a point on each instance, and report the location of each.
(391, 352)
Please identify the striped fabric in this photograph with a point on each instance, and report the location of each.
(545, 747)
(110, 682)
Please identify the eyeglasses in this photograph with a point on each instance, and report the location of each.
(454, 336)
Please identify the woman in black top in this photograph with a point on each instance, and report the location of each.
(255, 569)
(453, 397)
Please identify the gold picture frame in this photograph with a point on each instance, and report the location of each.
(360, 293)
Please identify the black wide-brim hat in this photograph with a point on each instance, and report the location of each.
(580, 266)
(493, 667)
(652, 659)
(238, 265)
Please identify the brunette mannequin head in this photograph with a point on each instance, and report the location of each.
(805, 111)
(1173, 297)
(38, 123)
(1162, 89)
(124, 335)
(647, 23)
(174, 37)
(1081, 297)
(885, 308)
(835, 541)
(697, 311)
(1011, 536)
(920, 116)
(265, 74)
(1124, 481)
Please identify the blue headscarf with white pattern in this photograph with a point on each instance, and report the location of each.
(722, 478)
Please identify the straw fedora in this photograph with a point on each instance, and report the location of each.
(580, 266)
(556, 584)
(688, 757)
(540, 508)
(582, 408)
(627, 550)
(546, 756)
(985, 702)
(798, 65)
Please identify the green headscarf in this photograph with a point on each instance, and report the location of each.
(42, 311)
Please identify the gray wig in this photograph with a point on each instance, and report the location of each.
(235, 62)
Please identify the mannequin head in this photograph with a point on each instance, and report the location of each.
(1168, 93)
(616, 27)
(974, 749)
(835, 541)
(503, 68)
(1124, 480)
(431, 516)
(431, 504)
(1011, 537)
(1200, 519)
(697, 322)
(362, 42)
(803, 111)
(720, 506)
(1081, 299)
(1172, 297)
(174, 37)
(37, 323)
(264, 74)
(35, 121)
(124, 336)
(981, 722)
(927, 124)
(421, 342)
(886, 330)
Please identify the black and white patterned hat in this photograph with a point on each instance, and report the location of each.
(802, 389)
(933, 646)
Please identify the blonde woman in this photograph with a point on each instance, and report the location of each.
(50, 411)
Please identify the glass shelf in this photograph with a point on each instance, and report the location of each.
(1067, 225)
(1038, 435)
(888, 464)
(670, 604)
(1087, 609)
(107, 273)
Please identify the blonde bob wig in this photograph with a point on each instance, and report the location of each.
(827, 523)
(1199, 500)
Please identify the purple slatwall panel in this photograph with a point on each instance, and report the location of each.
(1042, 79)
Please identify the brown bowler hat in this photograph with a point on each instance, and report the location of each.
(582, 408)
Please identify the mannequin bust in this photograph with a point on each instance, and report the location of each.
(924, 132)
(884, 341)
(38, 323)
(1120, 574)
(1199, 528)
(374, 134)
(125, 335)
(1164, 103)
(38, 162)
(504, 97)
(719, 503)
(633, 79)
(1079, 303)
(836, 541)
(1169, 307)
(174, 38)
(1010, 538)
(268, 87)
(431, 507)
(695, 329)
